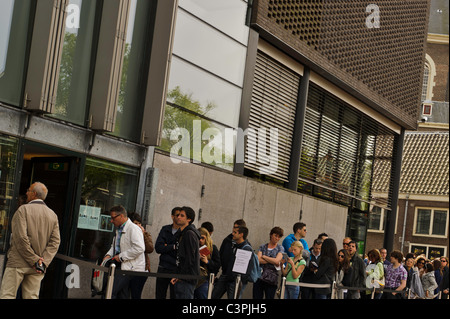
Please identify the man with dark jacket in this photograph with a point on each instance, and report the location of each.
(188, 255)
(227, 280)
(358, 273)
(166, 246)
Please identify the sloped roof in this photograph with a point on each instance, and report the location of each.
(425, 165)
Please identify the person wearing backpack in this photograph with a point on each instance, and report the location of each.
(227, 280)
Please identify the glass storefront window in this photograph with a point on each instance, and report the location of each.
(75, 71)
(105, 185)
(8, 161)
(133, 81)
(14, 25)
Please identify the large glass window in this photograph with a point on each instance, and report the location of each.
(214, 51)
(105, 185)
(206, 79)
(76, 62)
(14, 27)
(227, 16)
(8, 161)
(133, 82)
(218, 99)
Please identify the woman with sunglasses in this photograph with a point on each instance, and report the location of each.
(344, 274)
(420, 265)
(445, 278)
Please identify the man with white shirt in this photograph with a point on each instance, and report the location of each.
(127, 250)
(35, 240)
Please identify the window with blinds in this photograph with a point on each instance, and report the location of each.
(272, 118)
(340, 148)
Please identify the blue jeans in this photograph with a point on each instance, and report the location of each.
(291, 292)
(202, 291)
(184, 290)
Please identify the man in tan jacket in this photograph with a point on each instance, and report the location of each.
(35, 241)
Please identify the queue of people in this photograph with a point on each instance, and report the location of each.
(186, 250)
(191, 256)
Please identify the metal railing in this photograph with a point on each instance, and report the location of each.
(407, 294)
(112, 271)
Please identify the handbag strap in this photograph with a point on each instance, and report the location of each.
(291, 266)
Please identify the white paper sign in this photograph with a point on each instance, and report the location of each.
(242, 260)
(89, 217)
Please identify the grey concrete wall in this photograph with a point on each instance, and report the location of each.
(228, 197)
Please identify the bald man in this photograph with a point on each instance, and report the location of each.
(35, 241)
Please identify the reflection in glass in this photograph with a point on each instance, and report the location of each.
(133, 81)
(74, 76)
(6, 15)
(14, 28)
(105, 185)
(207, 89)
(192, 137)
(8, 158)
(203, 46)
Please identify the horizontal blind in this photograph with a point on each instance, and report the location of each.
(273, 106)
(339, 149)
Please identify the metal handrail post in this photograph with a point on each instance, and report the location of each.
(211, 285)
(283, 287)
(236, 287)
(373, 293)
(334, 290)
(110, 284)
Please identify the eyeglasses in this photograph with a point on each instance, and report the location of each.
(344, 244)
(421, 262)
(443, 261)
(341, 256)
(114, 217)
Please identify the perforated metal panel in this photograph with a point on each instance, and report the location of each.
(387, 61)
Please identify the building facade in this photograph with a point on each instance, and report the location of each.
(270, 111)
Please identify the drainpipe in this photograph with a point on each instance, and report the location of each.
(404, 221)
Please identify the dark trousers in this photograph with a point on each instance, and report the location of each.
(163, 283)
(121, 287)
(136, 286)
(226, 284)
(261, 288)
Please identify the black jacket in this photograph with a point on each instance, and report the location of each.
(326, 274)
(188, 255)
(213, 265)
(166, 246)
(226, 254)
(228, 257)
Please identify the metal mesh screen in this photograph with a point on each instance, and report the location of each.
(384, 64)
